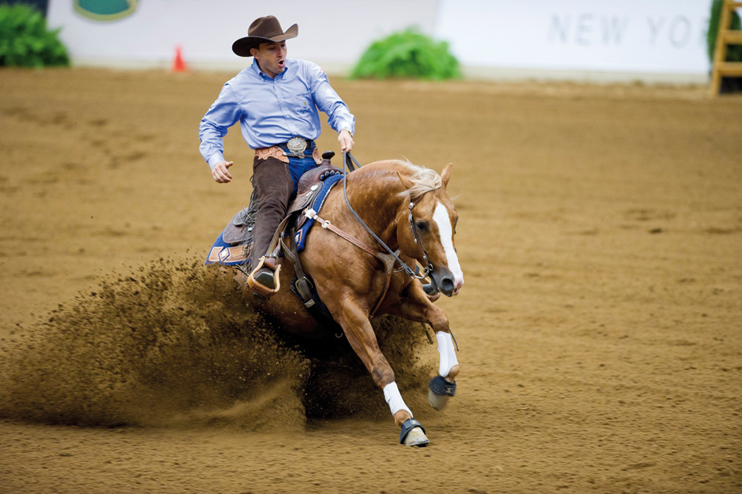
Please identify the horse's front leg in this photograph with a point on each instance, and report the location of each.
(415, 305)
(357, 327)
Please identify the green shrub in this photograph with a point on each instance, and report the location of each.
(734, 52)
(25, 40)
(407, 54)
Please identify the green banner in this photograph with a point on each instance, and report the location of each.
(105, 10)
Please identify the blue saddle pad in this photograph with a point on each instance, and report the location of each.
(226, 254)
(301, 233)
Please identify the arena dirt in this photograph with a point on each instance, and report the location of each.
(601, 348)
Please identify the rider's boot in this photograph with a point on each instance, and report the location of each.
(264, 280)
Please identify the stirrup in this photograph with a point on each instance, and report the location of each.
(260, 289)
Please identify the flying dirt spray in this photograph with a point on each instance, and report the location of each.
(175, 344)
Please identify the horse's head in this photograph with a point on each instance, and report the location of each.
(431, 228)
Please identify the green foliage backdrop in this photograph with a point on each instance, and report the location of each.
(734, 52)
(26, 42)
(407, 54)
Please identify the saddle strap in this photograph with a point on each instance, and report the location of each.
(277, 234)
(311, 213)
(289, 251)
(303, 287)
(387, 259)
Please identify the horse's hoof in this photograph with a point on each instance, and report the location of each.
(413, 434)
(416, 437)
(436, 401)
(439, 391)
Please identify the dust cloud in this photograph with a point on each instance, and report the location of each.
(174, 344)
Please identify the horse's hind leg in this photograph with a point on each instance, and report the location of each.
(362, 339)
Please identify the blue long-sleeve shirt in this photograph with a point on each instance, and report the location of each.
(272, 111)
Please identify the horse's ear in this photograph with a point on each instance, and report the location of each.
(405, 181)
(446, 175)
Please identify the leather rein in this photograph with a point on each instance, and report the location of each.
(350, 162)
(390, 258)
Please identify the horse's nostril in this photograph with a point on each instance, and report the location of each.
(447, 285)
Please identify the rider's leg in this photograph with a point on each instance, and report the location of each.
(275, 183)
(274, 186)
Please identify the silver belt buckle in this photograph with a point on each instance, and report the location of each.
(297, 145)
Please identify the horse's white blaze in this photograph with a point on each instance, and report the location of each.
(445, 228)
(447, 352)
(394, 399)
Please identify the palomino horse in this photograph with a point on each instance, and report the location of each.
(407, 207)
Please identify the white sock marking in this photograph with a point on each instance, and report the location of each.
(447, 351)
(394, 399)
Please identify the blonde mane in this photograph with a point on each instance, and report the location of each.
(424, 179)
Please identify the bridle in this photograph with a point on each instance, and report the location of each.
(429, 265)
(350, 162)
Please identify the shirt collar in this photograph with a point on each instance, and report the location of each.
(257, 70)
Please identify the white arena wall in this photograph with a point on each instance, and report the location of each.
(581, 40)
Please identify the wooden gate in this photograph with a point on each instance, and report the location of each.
(724, 37)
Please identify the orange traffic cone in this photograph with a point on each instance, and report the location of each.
(178, 64)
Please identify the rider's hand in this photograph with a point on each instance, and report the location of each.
(221, 173)
(345, 140)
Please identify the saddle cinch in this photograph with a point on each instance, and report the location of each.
(233, 246)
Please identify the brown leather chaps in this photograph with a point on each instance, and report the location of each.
(273, 184)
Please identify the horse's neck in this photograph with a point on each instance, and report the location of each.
(379, 205)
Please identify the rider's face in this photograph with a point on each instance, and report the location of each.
(271, 57)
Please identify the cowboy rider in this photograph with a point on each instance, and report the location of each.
(276, 100)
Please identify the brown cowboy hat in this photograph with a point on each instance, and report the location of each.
(263, 30)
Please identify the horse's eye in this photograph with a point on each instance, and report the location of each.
(422, 226)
